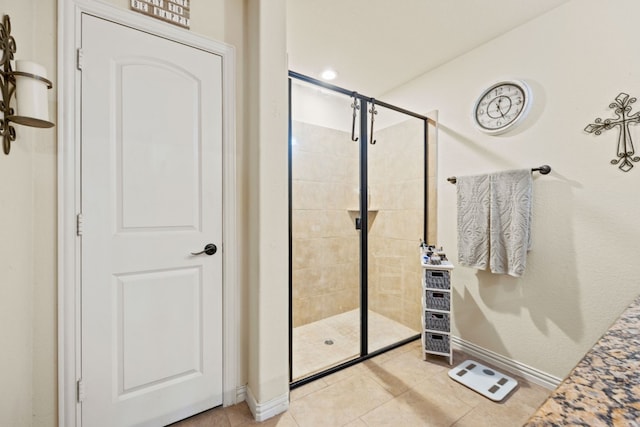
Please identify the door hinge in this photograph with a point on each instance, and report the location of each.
(79, 224)
(79, 59)
(80, 391)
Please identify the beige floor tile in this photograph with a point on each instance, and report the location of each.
(342, 375)
(402, 372)
(238, 414)
(449, 387)
(413, 347)
(418, 408)
(363, 395)
(212, 418)
(492, 414)
(525, 392)
(356, 423)
(529, 394)
(311, 387)
(282, 420)
(339, 403)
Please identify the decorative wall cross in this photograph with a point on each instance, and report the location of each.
(625, 144)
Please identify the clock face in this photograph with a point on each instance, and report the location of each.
(501, 106)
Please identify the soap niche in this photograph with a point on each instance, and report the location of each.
(355, 218)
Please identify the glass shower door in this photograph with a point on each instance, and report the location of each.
(325, 251)
(396, 165)
(358, 204)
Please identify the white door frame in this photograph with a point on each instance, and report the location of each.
(69, 197)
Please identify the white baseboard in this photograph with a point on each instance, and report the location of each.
(241, 393)
(234, 395)
(266, 410)
(513, 366)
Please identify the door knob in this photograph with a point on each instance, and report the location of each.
(209, 249)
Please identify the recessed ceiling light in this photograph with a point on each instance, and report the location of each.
(329, 74)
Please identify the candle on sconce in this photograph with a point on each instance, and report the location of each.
(32, 104)
(27, 83)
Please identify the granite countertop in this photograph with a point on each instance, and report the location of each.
(604, 388)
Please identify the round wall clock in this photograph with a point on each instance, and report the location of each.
(502, 106)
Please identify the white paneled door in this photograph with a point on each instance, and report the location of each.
(151, 195)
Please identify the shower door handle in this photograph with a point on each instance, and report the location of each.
(209, 249)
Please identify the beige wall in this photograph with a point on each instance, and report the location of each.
(268, 367)
(28, 245)
(27, 242)
(582, 270)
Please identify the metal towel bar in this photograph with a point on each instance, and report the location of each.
(544, 169)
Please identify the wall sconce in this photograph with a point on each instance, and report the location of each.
(28, 83)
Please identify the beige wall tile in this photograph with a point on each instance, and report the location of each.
(326, 245)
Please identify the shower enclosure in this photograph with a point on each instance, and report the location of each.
(358, 201)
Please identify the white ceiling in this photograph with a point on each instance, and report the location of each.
(377, 45)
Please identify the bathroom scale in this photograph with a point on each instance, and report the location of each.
(484, 380)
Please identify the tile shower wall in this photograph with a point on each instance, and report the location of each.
(325, 243)
(396, 183)
(325, 199)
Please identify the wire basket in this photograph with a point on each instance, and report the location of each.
(436, 321)
(438, 300)
(437, 342)
(438, 279)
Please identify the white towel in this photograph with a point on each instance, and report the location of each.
(473, 220)
(510, 221)
(494, 221)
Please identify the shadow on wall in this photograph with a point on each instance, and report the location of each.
(549, 290)
(470, 317)
(470, 144)
(552, 291)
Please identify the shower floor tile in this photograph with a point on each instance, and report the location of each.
(311, 354)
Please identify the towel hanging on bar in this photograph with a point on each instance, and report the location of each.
(544, 170)
(494, 221)
(510, 204)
